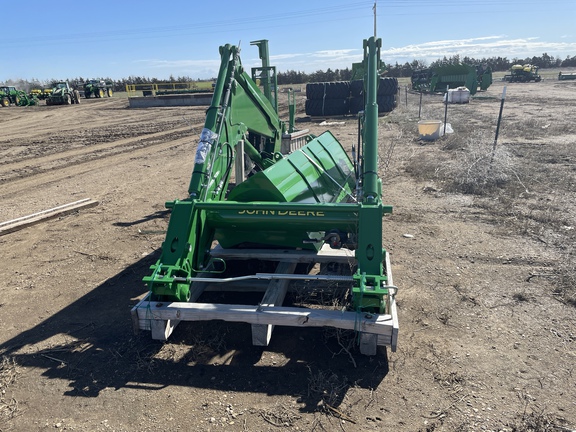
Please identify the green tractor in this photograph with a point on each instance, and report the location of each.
(63, 94)
(98, 88)
(10, 95)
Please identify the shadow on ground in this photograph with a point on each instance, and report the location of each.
(156, 215)
(105, 353)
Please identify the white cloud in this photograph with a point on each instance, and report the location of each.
(479, 47)
(334, 53)
(178, 64)
(284, 56)
(485, 46)
(488, 46)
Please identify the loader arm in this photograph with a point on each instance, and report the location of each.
(238, 111)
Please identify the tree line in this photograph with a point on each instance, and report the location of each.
(497, 64)
(78, 83)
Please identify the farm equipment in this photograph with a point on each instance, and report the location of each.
(37, 93)
(10, 95)
(296, 200)
(41, 94)
(98, 88)
(62, 94)
(563, 76)
(523, 73)
(452, 76)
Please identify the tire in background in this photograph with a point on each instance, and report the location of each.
(356, 104)
(356, 88)
(387, 86)
(326, 107)
(338, 90)
(386, 103)
(315, 91)
(328, 90)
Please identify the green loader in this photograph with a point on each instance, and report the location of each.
(267, 203)
(11, 96)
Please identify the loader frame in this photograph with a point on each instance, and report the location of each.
(311, 206)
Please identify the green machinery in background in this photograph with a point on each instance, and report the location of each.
(293, 193)
(565, 76)
(10, 95)
(523, 73)
(63, 94)
(452, 76)
(97, 88)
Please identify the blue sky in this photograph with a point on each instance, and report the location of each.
(117, 39)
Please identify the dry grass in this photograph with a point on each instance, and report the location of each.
(527, 184)
(466, 162)
(328, 386)
(535, 422)
(8, 374)
(478, 168)
(280, 416)
(566, 286)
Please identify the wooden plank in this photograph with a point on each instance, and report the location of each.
(324, 255)
(392, 306)
(274, 296)
(368, 343)
(374, 329)
(286, 316)
(138, 321)
(35, 218)
(162, 329)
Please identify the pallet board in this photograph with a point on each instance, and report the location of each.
(374, 329)
(44, 215)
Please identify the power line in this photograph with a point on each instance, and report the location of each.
(290, 18)
(293, 19)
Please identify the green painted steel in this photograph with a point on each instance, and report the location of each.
(63, 94)
(10, 95)
(301, 200)
(563, 76)
(98, 88)
(239, 111)
(320, 172)
(523, 73)
(474, 78)
(370, 277)
(266, 74)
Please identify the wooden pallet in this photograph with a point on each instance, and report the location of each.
(161, 318)
(45, 215)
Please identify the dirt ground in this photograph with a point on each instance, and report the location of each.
(484, 266)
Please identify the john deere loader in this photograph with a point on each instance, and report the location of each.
(269, 207)
(11, 96)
